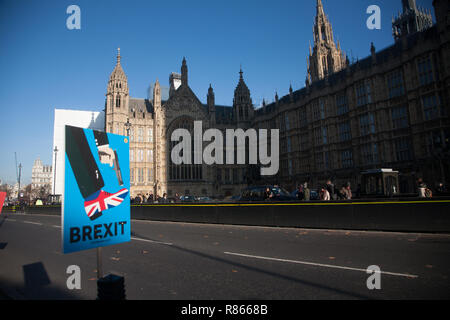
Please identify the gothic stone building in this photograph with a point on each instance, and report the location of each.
(151, 123)
(389, 110)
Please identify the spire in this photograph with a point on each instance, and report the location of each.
(157, 94)
(326, 57)
(242, 102)
(373, 53)
(117, 91)
(118, 79)
(118, 56)
(210, 99)
(319, 7)
(291, 92)
(184, 72)
(409, 5)
(242, 88)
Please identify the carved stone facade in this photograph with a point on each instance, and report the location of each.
(411, 20)
(150, 122)
(389, 110)
(326, 57)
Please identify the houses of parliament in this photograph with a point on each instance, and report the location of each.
(388, 110)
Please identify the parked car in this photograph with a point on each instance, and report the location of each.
(314, 195)
(187, 199)
(257, 193)
(235, 198)
(203, 199)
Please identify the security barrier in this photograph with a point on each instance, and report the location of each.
(406, 216)
(380, 215)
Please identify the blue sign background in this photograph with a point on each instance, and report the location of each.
(74, 214)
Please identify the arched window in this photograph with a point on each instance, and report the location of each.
(183, 172)
(117, 101)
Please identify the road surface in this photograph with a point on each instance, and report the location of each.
(195, 261)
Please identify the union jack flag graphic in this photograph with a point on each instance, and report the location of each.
(103, 202)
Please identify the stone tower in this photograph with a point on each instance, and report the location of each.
(242, 102)
(411, 20)
(117, 99)
(211, 104)
(326, 57)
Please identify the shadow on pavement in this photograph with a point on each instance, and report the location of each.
(37, 286)
(3, 220)
(270, 273)
(274, 274)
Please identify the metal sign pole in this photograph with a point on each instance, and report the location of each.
(99, 263)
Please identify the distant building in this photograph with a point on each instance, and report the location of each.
(41, 175)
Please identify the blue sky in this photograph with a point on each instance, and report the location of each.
(46, 66)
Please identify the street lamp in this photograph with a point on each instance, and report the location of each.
(20, 173)
(54, 170)
(128, 126)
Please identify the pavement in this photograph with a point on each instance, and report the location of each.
(183, 261)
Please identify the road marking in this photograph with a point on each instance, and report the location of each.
(30, 222)
(151, 241)
(320, 265)
(55, 226)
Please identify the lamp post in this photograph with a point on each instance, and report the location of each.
(20, 173)
(54, 170)
(128, 126)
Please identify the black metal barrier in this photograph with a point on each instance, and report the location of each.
(49, 209)
(407, 216)
(380, 215)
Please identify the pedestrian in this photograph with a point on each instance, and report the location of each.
(441, 190)
(346, 191)
(324, 194)
(300, 192)
(268, 195)
(306, 192)
(331, 190)
(423, 190)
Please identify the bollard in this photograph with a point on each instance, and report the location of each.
(111, 287)
(14, 209)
